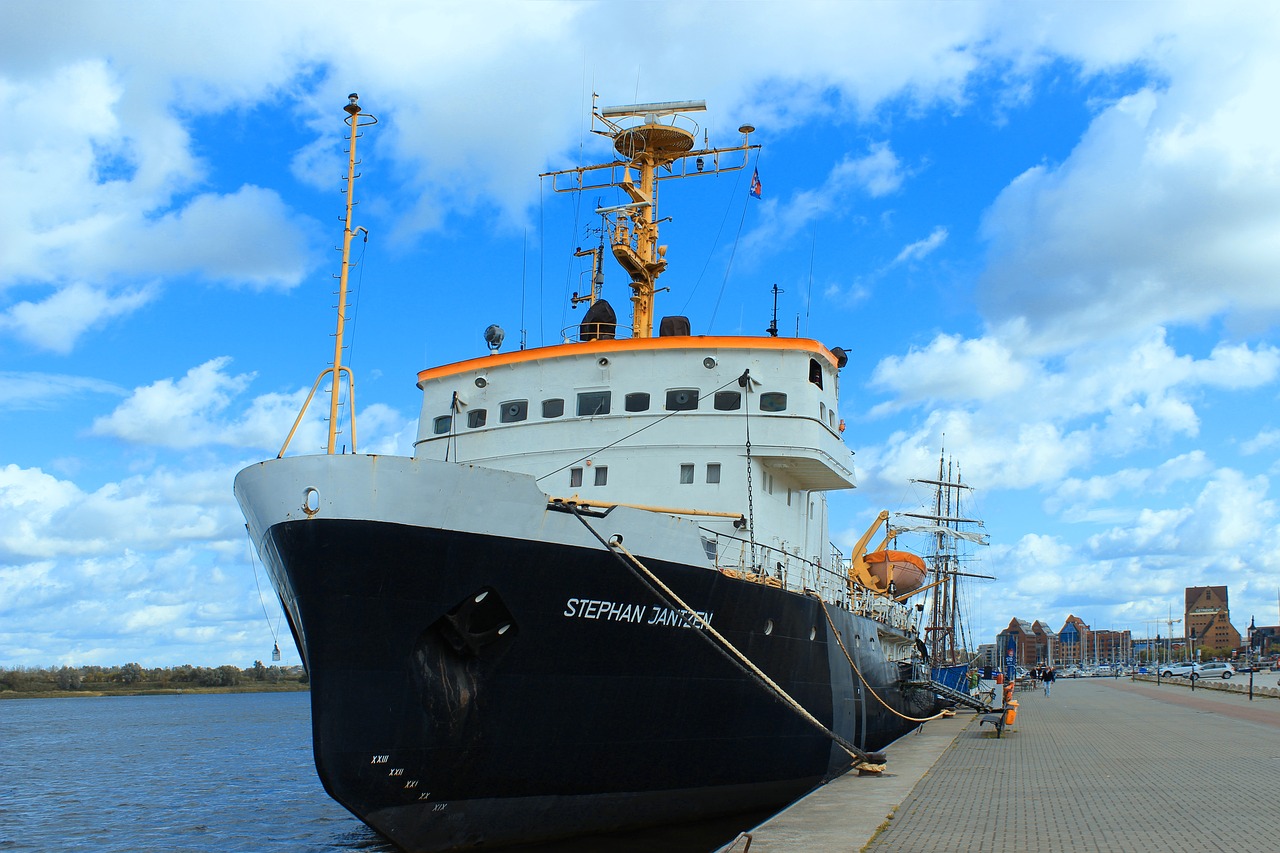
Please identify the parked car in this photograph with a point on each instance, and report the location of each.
(1171, 670)
(1212, 669)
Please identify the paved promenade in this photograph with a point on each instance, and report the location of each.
(1103, 765)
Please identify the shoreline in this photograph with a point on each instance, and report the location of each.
(284, 687)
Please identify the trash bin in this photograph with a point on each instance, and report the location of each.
(999, 678)
(1010, 712)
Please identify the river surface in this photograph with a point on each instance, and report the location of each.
(206, 773)
(175, 773)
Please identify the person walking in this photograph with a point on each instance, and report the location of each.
(1049, 675)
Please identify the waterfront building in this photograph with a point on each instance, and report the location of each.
(1208, 620)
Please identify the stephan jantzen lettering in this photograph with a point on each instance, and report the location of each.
(639, 614)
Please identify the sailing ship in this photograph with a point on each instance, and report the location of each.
(600, 594)
(949, 531)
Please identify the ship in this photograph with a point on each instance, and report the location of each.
(950, 534)
(600, 594)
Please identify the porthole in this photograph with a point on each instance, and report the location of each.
(513, 411)
(768, 627)
(682, 399)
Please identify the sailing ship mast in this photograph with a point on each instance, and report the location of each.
(942, 633)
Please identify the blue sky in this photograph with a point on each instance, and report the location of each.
(1046, 232)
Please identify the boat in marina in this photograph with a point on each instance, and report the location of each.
(600, 594)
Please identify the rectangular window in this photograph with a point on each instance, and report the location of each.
(591, 403)
(682, 399)
(602, 475)
(575, 478)
(637, 402)
(773, 401)
(476, 417)
(713, 472)
(441, 424)
(728, 401)
(513, 410)
(552, 408)
(686, 473)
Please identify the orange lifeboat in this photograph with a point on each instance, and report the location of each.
(905, 570)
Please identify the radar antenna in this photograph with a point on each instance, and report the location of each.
(647, 138)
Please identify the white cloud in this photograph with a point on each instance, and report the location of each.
(1264, 440)
(23, 391)
(951, 368)
(922, 248)
(876, 173)
(1165, 211)
(58, 322)
(192, 412)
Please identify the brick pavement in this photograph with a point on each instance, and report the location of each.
(1102, 765)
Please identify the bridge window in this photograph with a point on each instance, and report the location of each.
(602, 475)
(773, 401)
(637, 402)
(815, 372)
(552, 408)
(682, 400)
(575, 477)
(591, 403)
(686, 473)
(442, 424)
(728, 401)
(713, 472)
(477, 417)
(514, 410)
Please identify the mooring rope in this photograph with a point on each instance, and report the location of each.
(858, 672)
(718, 641)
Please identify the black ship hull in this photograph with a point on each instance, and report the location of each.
(473, 689)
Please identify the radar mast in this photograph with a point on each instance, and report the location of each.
(647, 137)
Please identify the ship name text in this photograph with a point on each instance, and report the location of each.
(639, 614)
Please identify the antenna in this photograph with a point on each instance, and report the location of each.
(773, 324)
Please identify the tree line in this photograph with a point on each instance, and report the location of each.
(133, 677)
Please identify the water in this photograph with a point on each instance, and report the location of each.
(203, 773)
(222, 772)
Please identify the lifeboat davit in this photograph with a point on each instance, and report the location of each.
(904, 569)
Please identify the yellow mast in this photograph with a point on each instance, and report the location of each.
(355, 120)
(664, 138)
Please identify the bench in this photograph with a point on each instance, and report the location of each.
(1000, 718)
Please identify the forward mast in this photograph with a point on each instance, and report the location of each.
(355, 120)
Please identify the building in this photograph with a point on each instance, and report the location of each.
(1076, 644)
(1208, 620)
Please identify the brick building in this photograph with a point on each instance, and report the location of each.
(1208, 619)
(1075, 644)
